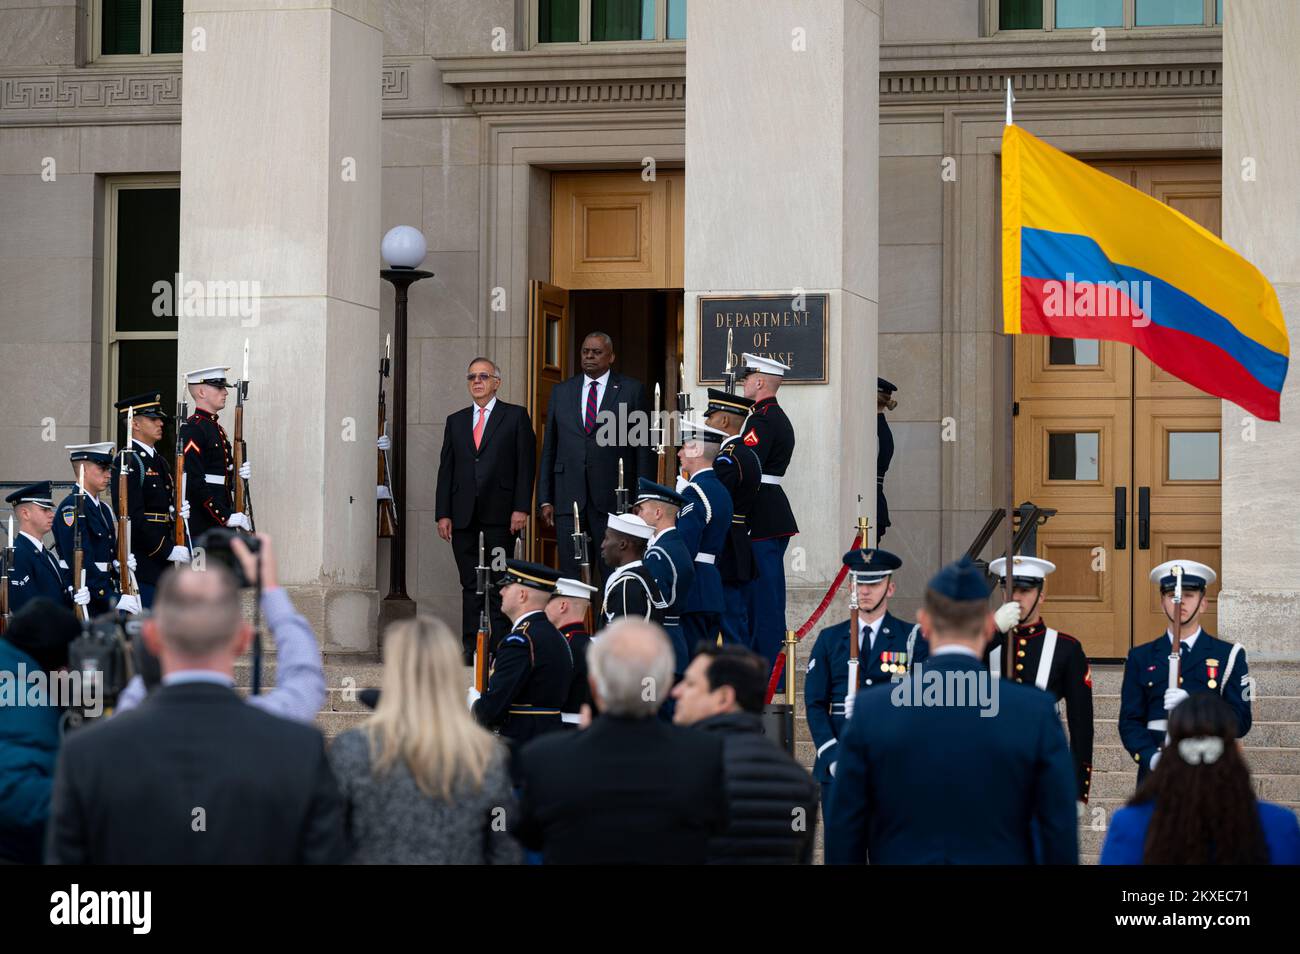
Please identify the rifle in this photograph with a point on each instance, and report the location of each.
(78, 545)
(683, 402)
(620, 492)
(657, 437)
(387, 508)
(580, 546)
(854, 611)
(125, 581)
(484, 634)
(6, 562)
(729, 372)
(243, 495)
(1175, 647)
(181, 531)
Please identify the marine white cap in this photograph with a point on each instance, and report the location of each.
(1022, 567)
(764, 365)
(574, 589)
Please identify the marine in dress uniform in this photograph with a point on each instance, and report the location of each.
(630, 589)
(530, 675)
(768, 433)
(884, 451)
(671, 565)
(209, 462)
(150, 496)
(1206, 664)
(705, 525)
(887, 648)
(1049, 659)
(36, 571)
(567, 612)
(98, 533)
(740, 472)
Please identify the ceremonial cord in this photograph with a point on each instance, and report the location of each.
(809, 623)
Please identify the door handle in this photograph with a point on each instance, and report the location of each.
(1144, 518)
(1121, 518)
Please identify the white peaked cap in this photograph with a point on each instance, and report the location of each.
(1026, 566)
(205, 374)
(630, 524)
(575, 589)
(764, 365)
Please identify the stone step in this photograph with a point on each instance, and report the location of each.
(1270, 787)
(1264, 708)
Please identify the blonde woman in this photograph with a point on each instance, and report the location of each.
(423, 783)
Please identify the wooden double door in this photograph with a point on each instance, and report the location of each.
(1128, 455)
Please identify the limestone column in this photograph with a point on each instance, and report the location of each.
(1260, 600)
(782, 144)
(280, 191)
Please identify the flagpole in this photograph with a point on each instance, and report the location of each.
(1008, 650)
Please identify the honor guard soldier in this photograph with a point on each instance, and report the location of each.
(532, 669)
(209, 463)
(1051, 660)
(705, 525)
(740, 472)
(769, 434)
(36, 571)
(668, 560)
(1205, 664)
(150, 493)
(567, 611)
(630, 590)
(887, 648)
(98, 592)
(884, 451)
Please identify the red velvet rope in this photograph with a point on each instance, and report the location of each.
(803, 630)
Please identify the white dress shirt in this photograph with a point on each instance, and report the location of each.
(485, 412)
(601, 383)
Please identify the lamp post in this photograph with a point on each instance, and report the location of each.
(403, 249)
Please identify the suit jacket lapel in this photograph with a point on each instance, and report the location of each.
(491, 426)
(611, 392)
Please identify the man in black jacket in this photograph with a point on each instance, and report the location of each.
(195, 775)
(485, 485)
(594, 420)
(772, 800)
(630, 789)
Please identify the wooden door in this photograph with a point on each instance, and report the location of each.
(1152, 492)
(549, 362)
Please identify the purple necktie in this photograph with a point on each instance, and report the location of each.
(589, 419)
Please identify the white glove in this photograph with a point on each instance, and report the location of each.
(185, 510)
(239, 521)
(473, 696)
(384, 442)
(833, 764)
(179, 555)
(130, 562)
(82, 596)
(129, 604)
(681, 483)
(1080, 808)
(1007, 616)
(244, 470)
(1154, 759)
(848, 706)
(1173, 697)
(382, 492)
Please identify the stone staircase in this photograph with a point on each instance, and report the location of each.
(1272, 747)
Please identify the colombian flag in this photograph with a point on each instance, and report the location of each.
(1086, 256)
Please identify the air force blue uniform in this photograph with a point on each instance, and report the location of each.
(1212, 665)
(741, 474)
(36, 573)
(670, 563)
(98, 540)
(704, 524)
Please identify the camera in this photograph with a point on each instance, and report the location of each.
(100, 658)
(215, 545)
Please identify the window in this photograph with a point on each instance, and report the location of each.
(142, 243)
(608, 21)
(1073, 456)
(1073, 351)
(136, 28)
(1193, 455)
(1113, 14)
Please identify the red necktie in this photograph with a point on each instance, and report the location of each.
(478, 428)
(589, 420)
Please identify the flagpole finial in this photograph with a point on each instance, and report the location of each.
(1010, 99)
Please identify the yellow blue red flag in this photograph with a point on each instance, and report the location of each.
(1086, 256)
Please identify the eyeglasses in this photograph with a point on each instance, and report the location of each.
(480, 376)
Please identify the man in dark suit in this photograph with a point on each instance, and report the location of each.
(595, 419)
(952, 766)
(195, 775)
(630, 789)
(485, 485)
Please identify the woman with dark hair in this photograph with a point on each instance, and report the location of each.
(1197, 807)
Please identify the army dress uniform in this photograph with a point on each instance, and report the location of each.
(1054, 662)
(705, 525)
(770, 435)
(740, 472)
(150, 496)
(209, 462)
(670, 563)
(528, 681)
(35, 572)
(887, 649)
(1206, 664)
(98, 535)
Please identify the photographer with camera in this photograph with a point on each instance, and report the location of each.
(299, 692)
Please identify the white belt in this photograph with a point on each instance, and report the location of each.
(771, 479)
(1045, 660)
(1158, 725)
(573, 718)
(704, 558)
(215, 478)
(101, 567)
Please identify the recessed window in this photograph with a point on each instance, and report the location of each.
(1071, 14)
(1020, 14)
(1073, 351)
(1193, 455)
(1051, 15)
(609, 21)
(1169, 13)
(1073, 455)
(138, 27)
